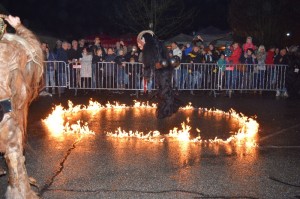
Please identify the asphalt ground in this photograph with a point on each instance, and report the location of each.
(98, 166)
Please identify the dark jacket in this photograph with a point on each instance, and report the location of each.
(248, 60)
(51, 58)
(281, 60)
(194, 57)
(97, 59)
(62, 55)
(120, 59)
(74, 54)
(132, 55)
(109, 67)
(96, 47)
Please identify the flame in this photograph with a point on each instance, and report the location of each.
(188, 107)
(146, 105)
(151, 136)
(56, 124)
(181, 134)
(116, 106)
(246, 135)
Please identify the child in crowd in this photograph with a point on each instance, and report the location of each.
(228, 50)
(221, 63)
(248, 44)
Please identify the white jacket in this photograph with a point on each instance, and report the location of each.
(177, 52)
(86, 66)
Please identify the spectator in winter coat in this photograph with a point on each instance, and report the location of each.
(86, 68)
(248, 44)
(249, 57)
(259, 74)
(227, 51)
(192, 73)
(62, 55)
(212, 54)
(97, 45)
(51, 66)
(221, 63)
(109, 68)
(58, 46)
(188, 49)
(81, 44)
(120, 46)
(280, 60)
(270, 67)
(97, 69)
(246, 70)
(175, 50)
(177, 72)
(133, 54)
(236, 54)
(231, 70)
(270, 56)
(120, 64)
(74, 54)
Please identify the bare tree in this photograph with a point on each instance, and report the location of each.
(164, 17)
(267, 21)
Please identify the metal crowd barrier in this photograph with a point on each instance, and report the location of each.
(106, 75)
(230, 77)
(198, 76)
(55, 76)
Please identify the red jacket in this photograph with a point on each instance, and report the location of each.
(248, 45)
(235, 56)
(270, 57)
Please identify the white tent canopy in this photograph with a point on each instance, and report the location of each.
(180, 39)
(214, 35)
(209, 35)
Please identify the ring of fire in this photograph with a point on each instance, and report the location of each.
(58, 124)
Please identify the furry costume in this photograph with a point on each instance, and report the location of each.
(21, 66)
(155, 59)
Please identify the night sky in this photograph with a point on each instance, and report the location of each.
(74, 19)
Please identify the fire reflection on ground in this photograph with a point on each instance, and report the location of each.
(69, 121)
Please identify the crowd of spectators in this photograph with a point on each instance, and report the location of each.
(238, 66)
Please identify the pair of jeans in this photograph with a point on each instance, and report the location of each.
(121, 77)
(195, 80)
(259, 79)
(62, 82)
(231, 79)
(177, 78)
(50, 79)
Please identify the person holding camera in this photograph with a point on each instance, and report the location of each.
(120, 45)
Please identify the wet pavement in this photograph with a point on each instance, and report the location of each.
(97, 166)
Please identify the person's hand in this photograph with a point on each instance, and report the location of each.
(200, 38)
(13, 21)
